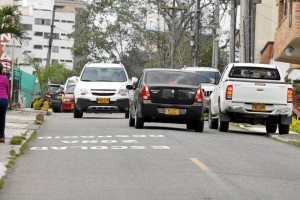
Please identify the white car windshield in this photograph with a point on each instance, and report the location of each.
(101, 74)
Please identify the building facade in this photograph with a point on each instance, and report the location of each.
(37, 21)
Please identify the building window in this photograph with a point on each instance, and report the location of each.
(68, 47)
(69, 61)
(27, 27)
(54, 61)
(46, 46)
(38, 33)
(62, 60)
(57, 20)
(55, 49)
(37, 46)
(72, 22)
(27, 52)
(54, 36)
(62, 47)
(37, 60)
(41, 21)
(63, 20)
(27, 38)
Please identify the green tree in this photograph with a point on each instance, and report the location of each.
(10, 21)
(60, 74)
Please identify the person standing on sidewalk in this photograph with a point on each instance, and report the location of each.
(4, 91)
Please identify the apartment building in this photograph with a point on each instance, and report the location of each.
(37, 21)
(287, 37)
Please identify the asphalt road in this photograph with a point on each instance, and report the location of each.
(101, 157)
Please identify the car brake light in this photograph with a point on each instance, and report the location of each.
(48, 94)
(199, 96)
(229, 91)
(146, 93)
(290, 95)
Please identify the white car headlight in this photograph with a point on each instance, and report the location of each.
(123, 92)
(83, 91)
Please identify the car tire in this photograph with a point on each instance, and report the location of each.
(76, 113)
(139, 123)
(127, 114)
(212, 123)
(131, 121)
(190, 126)
(223, 125)
(284, 129)
(271, 128)
(61, 109)
(199, 126)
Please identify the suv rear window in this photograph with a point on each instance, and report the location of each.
(101, 74)
(171, 77)
(53, 88)
(254, 73)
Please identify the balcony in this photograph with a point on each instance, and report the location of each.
(288, 36)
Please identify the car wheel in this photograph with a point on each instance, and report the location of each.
(127, 114)
(139, 123)
(190, 126)
(223, 126)
(284, 129)
(271, 128)
(199, 126)
(76, 113)
(212, 123)
(131, 121)
(61, 109)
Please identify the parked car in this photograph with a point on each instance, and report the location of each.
(167, 96)
(54, 94)
(208, 77)
(101, 88)
(68, 99)
(69, 81)
(252, 93)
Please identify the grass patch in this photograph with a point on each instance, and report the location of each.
(2, 181)
(24, 147)
(294, 143)
(17, 140)
(295, 125)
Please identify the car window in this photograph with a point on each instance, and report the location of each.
(205, 76)
(171, 77)
(101, 74)
(254, 73)
(54, 89)
(70, 89)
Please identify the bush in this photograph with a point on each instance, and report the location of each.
(38, 103)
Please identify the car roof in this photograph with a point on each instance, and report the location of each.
(104, 65)
(164, 69)
(211, 69)
(254, 65)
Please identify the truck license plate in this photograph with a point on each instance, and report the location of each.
(103, 100)
(258, 107)
(171, 111)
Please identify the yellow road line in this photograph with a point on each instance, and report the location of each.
(199, 164)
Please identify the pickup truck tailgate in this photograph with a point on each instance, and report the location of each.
(255, 92)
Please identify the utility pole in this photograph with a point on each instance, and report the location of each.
(195, 55)
(215, 56)
(51, 37)
(244, 32)
(232, 32)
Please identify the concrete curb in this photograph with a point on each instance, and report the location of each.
(18, 122)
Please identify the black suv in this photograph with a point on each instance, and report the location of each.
(54, 93)
(169, 96)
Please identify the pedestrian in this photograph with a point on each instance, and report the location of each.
(4, 91)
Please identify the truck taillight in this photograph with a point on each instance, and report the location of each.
(229, 91)
(290, 95)
(146, 93)
(199, 96)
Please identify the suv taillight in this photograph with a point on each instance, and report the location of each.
(145, 93)
(48, 94)
(229, 91)
(199, 96)
(290, 95)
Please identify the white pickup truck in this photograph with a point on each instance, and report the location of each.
(254, 94)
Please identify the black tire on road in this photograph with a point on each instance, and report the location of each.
(271, 128)
(76, 113)
(190, 126)
(212, 123)
(223, 126)
(131, 121)
(127, 114)
(284, 129)
(139, 123)
(199, 126)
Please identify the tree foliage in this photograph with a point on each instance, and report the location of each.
(10, 21)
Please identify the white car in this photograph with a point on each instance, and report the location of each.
(208, 77)
(101, 88)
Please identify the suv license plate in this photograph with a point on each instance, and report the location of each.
(103, 100)
(58, 97)
(258, 107)
(171, 111)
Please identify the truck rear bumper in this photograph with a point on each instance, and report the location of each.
(277, 111)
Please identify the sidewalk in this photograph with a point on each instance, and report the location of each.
(17, 123)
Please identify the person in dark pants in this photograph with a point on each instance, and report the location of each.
(4, 91)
